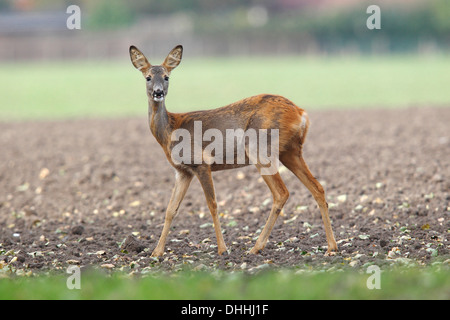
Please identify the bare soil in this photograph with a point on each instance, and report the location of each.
(94, 193)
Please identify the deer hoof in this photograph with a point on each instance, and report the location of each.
(157, 253)
(223, 251)
(332, 251)
(254, 250)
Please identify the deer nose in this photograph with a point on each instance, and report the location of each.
(157, 88)
(158, 94)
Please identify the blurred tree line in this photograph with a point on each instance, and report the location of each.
(401, 24)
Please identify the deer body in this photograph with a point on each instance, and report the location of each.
(250, 113)
(261, 112)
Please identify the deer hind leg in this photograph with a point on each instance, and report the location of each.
(182, 182)
(204, 176)
(295, 162)
(280, 195)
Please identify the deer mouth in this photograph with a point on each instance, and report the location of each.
(158, 96)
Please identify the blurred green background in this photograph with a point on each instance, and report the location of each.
(318, 53)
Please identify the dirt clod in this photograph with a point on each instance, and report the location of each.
(77, 230)
(131, 244)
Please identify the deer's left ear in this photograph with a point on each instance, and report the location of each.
(173, 59)
(138, 59)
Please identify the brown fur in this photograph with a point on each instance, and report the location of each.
(264, 111)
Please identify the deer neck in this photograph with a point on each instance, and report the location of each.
(159, 121)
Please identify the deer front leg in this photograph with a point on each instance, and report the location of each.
(182, 182)
(205, 178)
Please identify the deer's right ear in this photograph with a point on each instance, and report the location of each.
(138, 59)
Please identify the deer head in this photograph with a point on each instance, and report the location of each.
(157, 77)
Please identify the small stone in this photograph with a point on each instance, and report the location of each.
(354, 263)
(240, 175)
(136, 203)
(44, 173)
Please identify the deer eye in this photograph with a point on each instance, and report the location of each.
(166, 78)
(149, 78)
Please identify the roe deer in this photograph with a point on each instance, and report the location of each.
(271, 112)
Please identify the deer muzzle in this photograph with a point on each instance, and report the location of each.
(158, 95)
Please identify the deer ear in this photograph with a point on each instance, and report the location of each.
(173, 59)
(138, 59)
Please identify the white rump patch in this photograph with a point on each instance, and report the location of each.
(303, 123)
